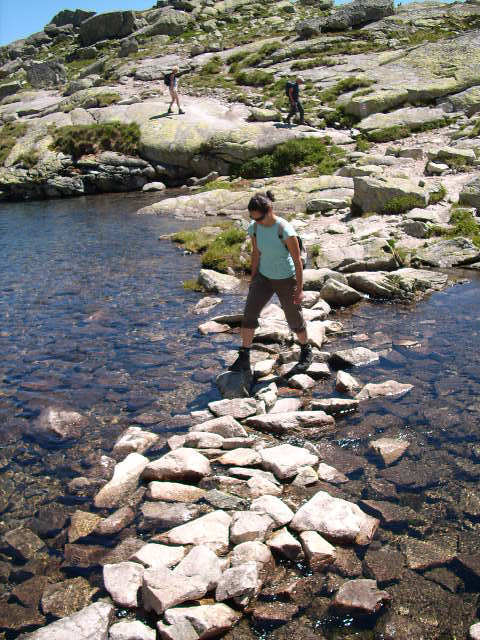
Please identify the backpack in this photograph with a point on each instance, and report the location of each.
(288, 86)
(281, 230)
(166, 79)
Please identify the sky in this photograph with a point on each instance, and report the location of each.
(35, 14)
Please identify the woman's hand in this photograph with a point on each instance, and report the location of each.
(297, 296)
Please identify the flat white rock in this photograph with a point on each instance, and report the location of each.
(154, 555)
(286, 460)
(248, 525)
(208, 621)
(134, 439)
(317, 550)
(122, 581)
(273, 507)
(162, 589)
(240, 458)
(212, 529)
(173, 492)
(201, 562)
(131, 630)
(125, 481)
(225, 426)
(180, 464)
(284, 543)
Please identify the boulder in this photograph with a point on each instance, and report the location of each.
(285, 544)
(284, 423)
(273, 507)
(358, 14)
(122, 581)
(169, 22)
(218, 282)
(345, 383)
(225, 426)
(285, 460)
(360, 597)
(125, 481)
(248, 526)
(117, 521)
(468, 101)
(452, 252)
(315, 279)
(234, 384)
(203, 563)
(404, 283)
(333, 406)
(338, 294)
(387, 195)
(162, 589)
(45, 75)
(336, 519)
(181, 464)
(67, 16)
(105, 26)
(406, 118)
(9, 88)
(88, 624)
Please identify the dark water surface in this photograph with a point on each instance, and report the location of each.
(94, 317)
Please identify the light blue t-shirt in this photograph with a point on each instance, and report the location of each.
(275, 259)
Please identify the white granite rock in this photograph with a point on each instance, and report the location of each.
(474, 631)
(284, 423)
(240, 458)
(125, 481)
(336, 519)
(131, 630)
(285, 460)
(173, 492)
(201, 562)
(301, 381)
(90, 623)
(253, 551)
(273, 507)
(180, 464)
(203, 440)
(326, 473)
(247, 525)
(345, 383)
(122, 581)
(238, 408)
(155, 556)
(284, 543)
(261, 486)
(317, 550)
(306, 477)
(162, 589)
(211, 529)
(238, 582)
(388, 388)
(225, 426)
(207, 621)
(389, 449)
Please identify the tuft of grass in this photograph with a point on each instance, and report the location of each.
(217, 184)
(362, 144)
(294, 154)
(225, 251)
(192, 285)
(213, 66)
(9, 134)
(312, 63)
(402, 204)
(256, 78)
(78, 140)
(343, 86)
(465, 225)
(340, 117)
(195, 241)
(438, 195)
(107, 98)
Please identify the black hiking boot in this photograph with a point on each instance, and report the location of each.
(242, 363)
(306, 358)
(169, 110)
(181, 112)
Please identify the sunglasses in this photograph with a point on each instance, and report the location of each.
(260, 217)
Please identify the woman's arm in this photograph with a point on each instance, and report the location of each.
(255, 257)
(294, 248)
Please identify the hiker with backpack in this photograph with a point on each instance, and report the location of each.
(277, 267)
(171, 81)
(292, 91)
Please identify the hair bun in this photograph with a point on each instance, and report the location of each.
(271, 196)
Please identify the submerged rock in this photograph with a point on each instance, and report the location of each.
(125, 481)
(283, 423)
(57, 425)
(388, 388)
(360, 596)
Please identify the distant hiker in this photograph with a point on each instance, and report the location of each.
(292, 90)
(276, 268)
(171, 82)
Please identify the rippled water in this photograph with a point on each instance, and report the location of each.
(94, 317)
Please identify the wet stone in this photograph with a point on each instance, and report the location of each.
(422, 555)
(445, 578)
(122, 581)
(409, 474)
(326, 473)
(346, 563)
(122, 551)
(49, 521)
(356, 357)
(317, 550)
(286, 460)
(360, 597)
(390, 450)
(158, 555)
(30, 591)
(334, 406)
(225, 426)
(65, 598)
(134, 439)
(14, 617)
(79, 556)
(391, 514)
(82, 524)
(174, 492)
(340, 458)
(238, 408)
(131, 630)
(384, 565)
(58, 425)
(273, 614)
(306, 477)
(23, 543)
(285, 544)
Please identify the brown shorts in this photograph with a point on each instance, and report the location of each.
(260, 293)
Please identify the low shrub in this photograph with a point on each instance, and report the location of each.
(438, 195)
(9, 134)
(78, 140)
(29, 160)
(361, 144)
(290, 155)
(195, 241)
(343, 86)
(225, 251)
(213, 66)
(388, 134)
(465, 225)
(106, 99)
(256, 78)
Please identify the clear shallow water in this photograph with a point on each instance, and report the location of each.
(94, 317)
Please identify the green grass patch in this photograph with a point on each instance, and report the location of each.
(465, 225)
(29, 160)
(213, 66)
(10, 133)
(192, 285)
(85, 139)
(344, 86)
(402, 204)
(254, 78)
(225, 251)
(195, 241)
(388, 134)
(340, 117)
(294, 154)
(107, 98)
(363, 145)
